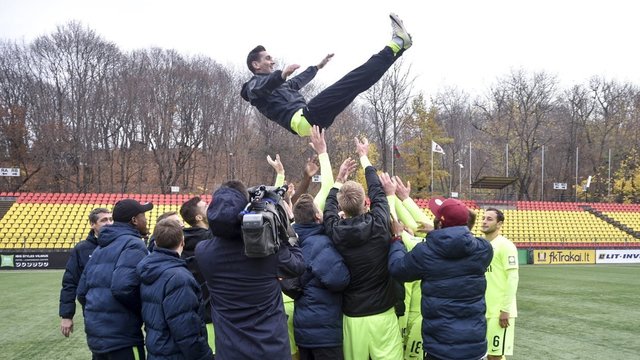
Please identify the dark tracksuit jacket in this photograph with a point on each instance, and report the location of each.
(172, 308)
(246, 298)
(109, 290)
(73, 271)
(363, 242)
(276, 98)
(451, 263)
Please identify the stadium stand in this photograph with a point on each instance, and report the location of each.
(58, 221)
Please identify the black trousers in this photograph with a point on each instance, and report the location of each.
(327, 353)
(329, 103)
(128, 353)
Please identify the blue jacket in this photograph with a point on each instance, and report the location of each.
(246, 300)
(276, 98)
(78, 259)
(192, 236)
(172, 308)
(317, 319)
(451, 264)
(109, 290)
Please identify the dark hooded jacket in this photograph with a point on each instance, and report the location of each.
(109, 290)
(78, 259)
(247, 307)
(276, 98)
(363, 242)
(192, 236)
(172, 308)
(317, 319)
(451, 263)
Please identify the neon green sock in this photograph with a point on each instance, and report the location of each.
(395, 47)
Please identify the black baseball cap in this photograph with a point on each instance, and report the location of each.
(125, 209)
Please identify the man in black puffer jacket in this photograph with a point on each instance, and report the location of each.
(317, 319)
(171, 300)
(362, 238)
(109, 288)
(78, 259)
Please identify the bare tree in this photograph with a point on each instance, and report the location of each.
(389, 105)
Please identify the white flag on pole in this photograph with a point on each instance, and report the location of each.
(436, 148)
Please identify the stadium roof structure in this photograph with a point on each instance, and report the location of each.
(493, 182)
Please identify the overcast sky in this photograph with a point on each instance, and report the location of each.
(466, 44)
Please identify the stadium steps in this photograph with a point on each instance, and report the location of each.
(612, 221)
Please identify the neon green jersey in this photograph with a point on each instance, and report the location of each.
(502, 278)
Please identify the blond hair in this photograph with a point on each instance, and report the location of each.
(351, 198)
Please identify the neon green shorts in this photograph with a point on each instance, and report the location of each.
(288, 309)
(500, 340)
(374, 336)
(211, 338)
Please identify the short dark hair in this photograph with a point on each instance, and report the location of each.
(499, 214)
(254, 55)
(304, 211)
(189, 210)
(237, 185)
(471, 222)
(93, 215)
(168, 234)
(166, 215)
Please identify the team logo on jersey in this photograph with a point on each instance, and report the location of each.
(512, 260)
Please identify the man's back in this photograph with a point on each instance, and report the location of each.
(318, 312)
(171, 308)
(363, 242)
(109, 290)
(247, 307)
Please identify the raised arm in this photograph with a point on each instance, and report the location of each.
(404, 212)
(403, 193)
(279, 169)
(330, 214)
(319, 144)
(310, 169)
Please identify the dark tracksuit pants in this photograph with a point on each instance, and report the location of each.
(329, 103)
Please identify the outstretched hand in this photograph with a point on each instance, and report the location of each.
(347, 167)
(288, 70)
(276, 164)
(388, 184)
(362, 148)
(325, 61)
(311, 168)
(317, 140)
(402, 191)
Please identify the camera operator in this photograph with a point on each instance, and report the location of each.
(246, 297)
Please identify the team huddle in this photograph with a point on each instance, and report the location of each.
(374, 276)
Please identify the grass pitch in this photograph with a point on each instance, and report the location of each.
(565, 312)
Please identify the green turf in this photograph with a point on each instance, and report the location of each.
(565, 312)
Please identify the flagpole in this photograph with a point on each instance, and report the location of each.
(542, 185)
(577, 173)
(432, 170)
(609, 181)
